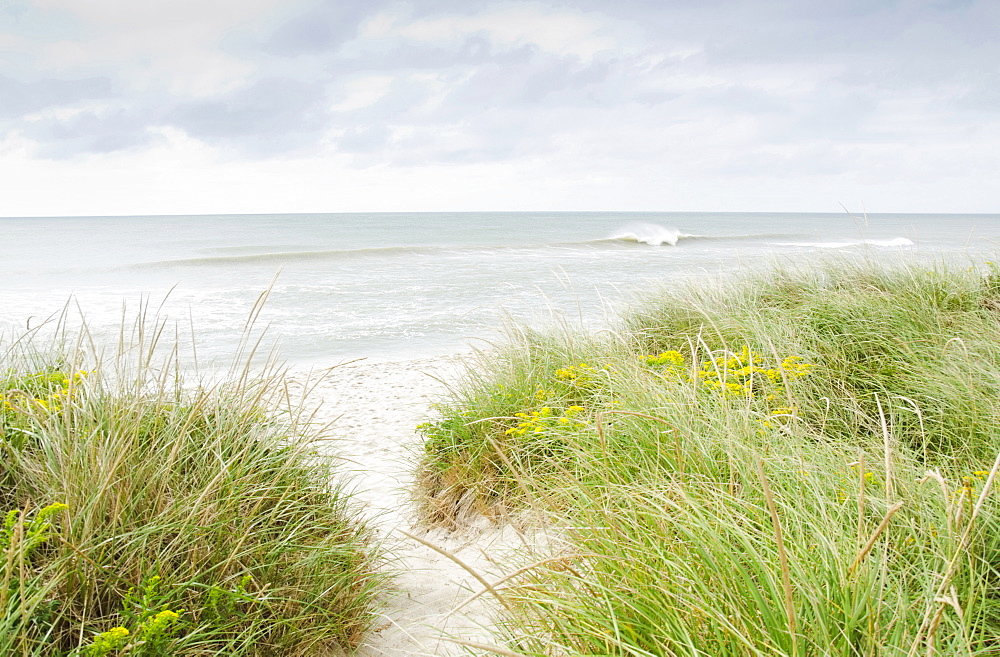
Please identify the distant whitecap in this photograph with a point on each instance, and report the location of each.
(894, 242)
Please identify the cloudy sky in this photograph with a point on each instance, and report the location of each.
(206, 106)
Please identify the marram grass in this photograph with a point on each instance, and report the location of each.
(801, 462)
(145, 515)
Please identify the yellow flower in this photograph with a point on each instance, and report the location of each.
(672, 358)
(52, 509)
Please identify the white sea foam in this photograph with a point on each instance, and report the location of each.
(890, 243)
(652, 234)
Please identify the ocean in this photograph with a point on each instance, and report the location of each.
(389, 286)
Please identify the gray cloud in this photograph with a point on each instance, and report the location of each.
(790, 71)
(89, 132)
(322, 28)
(491, 137)
(18, 98)
(32, 108)
(526, 77)
(364, 139)
(405, 56)
(270, 115)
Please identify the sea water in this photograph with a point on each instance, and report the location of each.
(396, 285)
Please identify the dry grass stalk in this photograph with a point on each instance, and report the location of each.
(786, 581)
(874, 537)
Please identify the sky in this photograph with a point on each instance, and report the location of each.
(118, 107)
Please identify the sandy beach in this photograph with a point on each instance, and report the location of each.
(373, 409)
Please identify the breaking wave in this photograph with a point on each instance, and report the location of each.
(652, 234)
(657, 235)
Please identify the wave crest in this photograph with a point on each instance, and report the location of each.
(652, 234)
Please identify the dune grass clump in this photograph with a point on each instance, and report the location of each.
(801, 462)
(919, 341)
(144, 515)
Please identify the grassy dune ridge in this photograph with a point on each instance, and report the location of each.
(149, 515)
(800, 462)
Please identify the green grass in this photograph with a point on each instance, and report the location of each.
(799, 462)
(149, 515)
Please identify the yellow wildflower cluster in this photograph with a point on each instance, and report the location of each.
(733, 375)
(544, 419)
(577, 375)
(46, 390)
(107, 642)
(670, 359)
(739, 375)
(153, 631)
(977, 476)
(159, 624)
(33, 531)
(967, 489)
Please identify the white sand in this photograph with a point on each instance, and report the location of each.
(375, 408)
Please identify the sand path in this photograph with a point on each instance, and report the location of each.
(375, 408)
